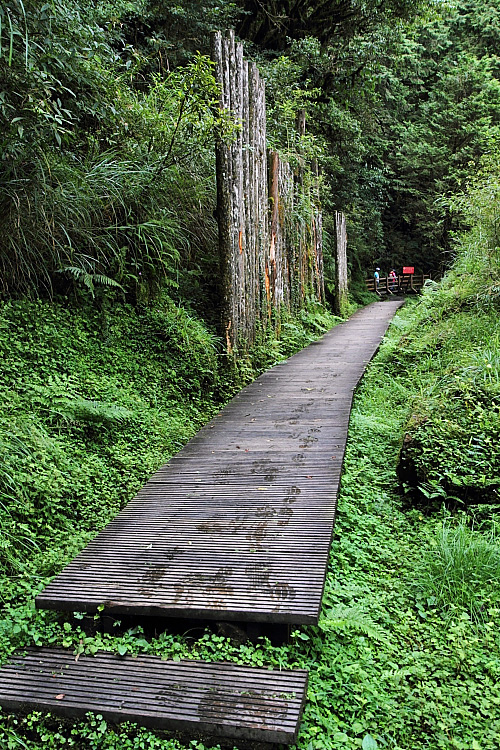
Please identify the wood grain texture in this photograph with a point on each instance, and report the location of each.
(219, 700)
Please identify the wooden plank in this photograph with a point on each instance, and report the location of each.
(238, 525)
(217, 700)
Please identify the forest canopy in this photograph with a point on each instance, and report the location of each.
(108, 113)
(112, 354)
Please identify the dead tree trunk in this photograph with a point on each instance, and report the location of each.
(270, 252)
(281, 195)
(341, 264)
(224, 198)
(241, 190)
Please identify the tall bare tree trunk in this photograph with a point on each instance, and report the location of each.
(341, 264)
(270, 257)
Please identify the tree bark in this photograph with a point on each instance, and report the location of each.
(270, 257)
(341, 264)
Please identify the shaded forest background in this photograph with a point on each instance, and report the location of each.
(108, 114)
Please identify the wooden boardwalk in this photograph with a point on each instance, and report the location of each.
(238, 525)
(218, 700)
(402, 284)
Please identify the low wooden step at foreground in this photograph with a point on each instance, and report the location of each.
(191, 697)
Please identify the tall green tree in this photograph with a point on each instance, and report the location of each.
(404, 113)
(445, 104)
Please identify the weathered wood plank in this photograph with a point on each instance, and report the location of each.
(219, 700)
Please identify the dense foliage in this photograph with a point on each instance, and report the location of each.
(97, 156)
(451, 446)
(401, 119)
(108, 114)
(110, 361)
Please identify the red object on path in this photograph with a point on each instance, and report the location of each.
(408, 270)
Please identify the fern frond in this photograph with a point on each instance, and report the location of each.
(99, 278)
(90, 280)
(350, 619)
(96, 412)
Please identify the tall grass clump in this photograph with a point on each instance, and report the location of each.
(95, 220)
(104, 181)
(461, 571)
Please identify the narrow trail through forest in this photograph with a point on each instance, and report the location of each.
(238, 524)
(237, 527)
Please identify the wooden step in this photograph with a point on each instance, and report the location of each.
(191, 697)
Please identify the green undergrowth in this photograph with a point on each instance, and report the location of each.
(449, 350)
(451, 446)
(407, 651)
(95, 398)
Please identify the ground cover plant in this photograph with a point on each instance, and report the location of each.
(402, 657)
(95, 398)
(451, 443)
